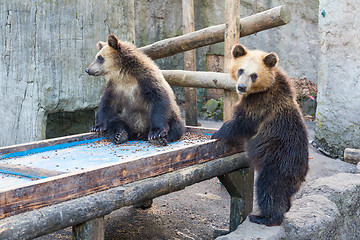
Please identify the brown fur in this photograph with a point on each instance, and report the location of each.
(137, 99)
(270, 122)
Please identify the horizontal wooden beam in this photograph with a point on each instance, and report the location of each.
(199, 79)
(73, 212)
(271, 18)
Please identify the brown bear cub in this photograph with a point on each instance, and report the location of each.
(268, 119)
(137, 102)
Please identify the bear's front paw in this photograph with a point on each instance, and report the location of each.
(120, 137)
(101, 127)
(216, 135)
(158, 137)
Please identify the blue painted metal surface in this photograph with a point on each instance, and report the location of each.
(48, 148)
(7, 180)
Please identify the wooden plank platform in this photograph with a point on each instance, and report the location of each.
(74, 212)
(91, 167)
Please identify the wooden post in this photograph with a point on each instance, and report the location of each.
(189, 64)
(240, 185)
(89, 230)
(232, 35)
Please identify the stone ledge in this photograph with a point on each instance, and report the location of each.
(328, 208)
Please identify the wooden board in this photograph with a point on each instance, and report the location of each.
(56, 189)
(48, 219)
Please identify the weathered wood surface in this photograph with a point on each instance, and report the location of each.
(271, 18)
(89, 230)
(73, 212)
(199, 79)
(232, 35)
(73, 185)
(352, 155)
(189, 64)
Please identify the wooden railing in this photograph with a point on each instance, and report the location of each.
(271, 18)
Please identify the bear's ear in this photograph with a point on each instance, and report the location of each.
(100, 45)
(238, 51)
(113, 41)
(271, 60)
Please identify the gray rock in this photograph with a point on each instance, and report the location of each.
(312, 217)
(45, 48)
(338, 110)
(251, 231)
(326, 208)
(212, 105)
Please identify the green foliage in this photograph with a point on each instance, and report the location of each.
(213, 110)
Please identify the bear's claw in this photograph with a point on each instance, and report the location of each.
(158, 137)
(121, 137)
(99, 128)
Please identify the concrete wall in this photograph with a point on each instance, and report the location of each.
(45, 47)
(338, 111)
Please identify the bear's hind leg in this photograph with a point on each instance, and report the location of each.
(273, 196)
(117, 131)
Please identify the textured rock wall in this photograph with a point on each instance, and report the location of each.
(338, 111)
(45, 47)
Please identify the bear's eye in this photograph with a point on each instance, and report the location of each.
(253, 77)
(240, 72)
(100, 59)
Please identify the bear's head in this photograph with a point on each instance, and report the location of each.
(108, 59)
(253, 70)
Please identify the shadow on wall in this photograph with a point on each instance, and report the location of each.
(61, 124)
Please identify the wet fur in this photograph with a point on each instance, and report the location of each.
(269, 120)
(137, 102)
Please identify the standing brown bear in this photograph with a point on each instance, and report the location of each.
(269, 120)
(137, 103)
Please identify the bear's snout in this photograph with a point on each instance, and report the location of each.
(241, 88)
(87, 70)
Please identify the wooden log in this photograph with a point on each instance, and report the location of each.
(232, 35)
(199, 79)
(89, 230)
(271, 18)
(73, 212)
(352, 155)
(189, 64)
